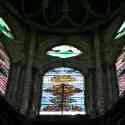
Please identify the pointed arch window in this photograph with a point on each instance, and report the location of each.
(4, 28)
(120, 68)
(62, 92)
(64, 51)
(4, 70)
(121, 31)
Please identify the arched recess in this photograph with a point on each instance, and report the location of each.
(6, 56)
(112, 52)
(16, 45)
(118, 59)
(16, 27)
(111, 32)
(62, 92)
(43, 62)
(5, 60)
(13, 46)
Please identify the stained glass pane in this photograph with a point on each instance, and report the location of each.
(4, 71)
(120, 68)
(121, 31)
(64, 51)
(4, 28)
(62, 92)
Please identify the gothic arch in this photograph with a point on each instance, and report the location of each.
(13, 23)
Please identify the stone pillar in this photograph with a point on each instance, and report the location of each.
(34, 110)
(28, 72)
(99, 74)
(90, 91)
(111, 90)
(114, 84)
(20, 88)
(14, 77)
(109, 81)
(92, 94)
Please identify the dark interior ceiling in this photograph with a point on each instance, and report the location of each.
(69, 16)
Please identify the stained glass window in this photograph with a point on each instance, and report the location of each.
(64, 51)
(4, 28)
(4, 71)
(121, 31)
(62, 92)
(120, 68)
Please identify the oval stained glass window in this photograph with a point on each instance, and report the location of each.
(64, 51)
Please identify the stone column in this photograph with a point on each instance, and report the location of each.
(92, 94)
(13, 85)
(114, 84)
(109, 81)
(99, 74)
(90, 91)
(20, 87)
(28, 72)
(111, 90)
(11, 81)
(34, 110)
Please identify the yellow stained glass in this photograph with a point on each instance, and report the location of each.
(63, 79)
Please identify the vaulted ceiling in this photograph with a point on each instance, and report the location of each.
(62, 17)
(65, 16)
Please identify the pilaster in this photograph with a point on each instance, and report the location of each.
(28, 72)
(99, 74)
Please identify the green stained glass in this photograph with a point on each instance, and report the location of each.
(4, 28)
(64, 51)
(121, 31)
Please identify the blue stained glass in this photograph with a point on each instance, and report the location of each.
(62, 92)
